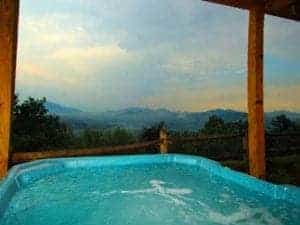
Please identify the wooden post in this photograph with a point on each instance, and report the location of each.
(256, 135)
(163, 141)
(9, 12)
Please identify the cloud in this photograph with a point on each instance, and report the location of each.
(282, 97)
(216, 96)
(31, 73)
(208, 96)
(57, 50)
(32, 69)
(186, 55)
(91, 59)
(282, 38)
(207, 63)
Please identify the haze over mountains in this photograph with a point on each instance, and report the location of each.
(136, 118)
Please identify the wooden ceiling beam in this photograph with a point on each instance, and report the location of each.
(232, 3)
(288, 9)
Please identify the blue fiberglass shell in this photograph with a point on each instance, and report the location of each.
(23, 175)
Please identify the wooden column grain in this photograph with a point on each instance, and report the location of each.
(9, 12)
(163, 141)
(256, 129)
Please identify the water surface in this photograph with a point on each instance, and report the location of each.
(166, 194)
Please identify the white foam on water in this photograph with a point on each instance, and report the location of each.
(172, 194)
(179, 191)
(244, 215)
(139, 191)
(156, 182)
(109, 193)
(180, 197)
(225, 196)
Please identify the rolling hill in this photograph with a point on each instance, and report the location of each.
(136, 118)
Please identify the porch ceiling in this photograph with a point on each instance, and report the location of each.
(289, 9)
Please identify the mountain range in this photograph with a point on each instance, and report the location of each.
(136, 118)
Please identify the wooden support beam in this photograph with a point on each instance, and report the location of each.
(256, 131)
(9, 10)
(163, 140)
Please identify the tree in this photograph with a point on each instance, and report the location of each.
(237, 127)
(152, 133)
(214, 125)
(117, 136)
(282, 124)
(91, 138)
(33, 128)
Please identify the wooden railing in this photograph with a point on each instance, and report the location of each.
(29, 156)
(162, 144)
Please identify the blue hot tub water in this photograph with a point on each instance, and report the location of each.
(148, 190)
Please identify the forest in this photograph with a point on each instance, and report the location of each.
(35, 129)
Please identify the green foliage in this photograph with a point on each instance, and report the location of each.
(33, 128)
(238, 127)
(281, 124)
(216, 149)
(216, 126)
(119, 136)
(280, 170)
(90, 138)
(151, 133)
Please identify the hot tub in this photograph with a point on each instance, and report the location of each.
(148, 189)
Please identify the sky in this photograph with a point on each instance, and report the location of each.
(183, 55)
